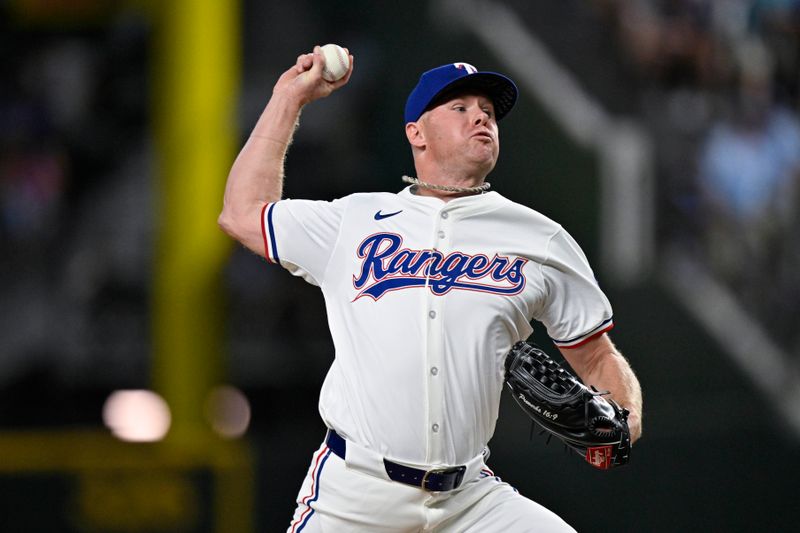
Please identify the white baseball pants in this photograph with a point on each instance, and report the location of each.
(337, 498)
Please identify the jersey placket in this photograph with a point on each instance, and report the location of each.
(435, 344)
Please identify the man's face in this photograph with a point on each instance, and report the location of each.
(463, 130)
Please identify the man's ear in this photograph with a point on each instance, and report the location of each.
(415, 134)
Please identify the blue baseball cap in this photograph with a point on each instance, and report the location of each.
(457, 76)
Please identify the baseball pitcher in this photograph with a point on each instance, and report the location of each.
(429, 292)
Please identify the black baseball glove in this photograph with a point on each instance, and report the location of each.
(593, 426)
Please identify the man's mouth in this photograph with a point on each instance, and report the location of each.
(485, 135)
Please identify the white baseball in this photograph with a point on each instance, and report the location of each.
(337, 62)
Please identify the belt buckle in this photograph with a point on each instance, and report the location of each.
(458, 470)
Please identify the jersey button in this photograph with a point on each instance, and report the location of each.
(432, 314)
(434, 371)
(435, 428)
(445, 215)
(441, 234)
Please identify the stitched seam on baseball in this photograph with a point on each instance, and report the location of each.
(339, 53)
(341, 58)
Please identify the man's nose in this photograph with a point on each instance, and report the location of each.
(481, 117)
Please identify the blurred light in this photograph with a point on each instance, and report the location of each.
(228, 411)
(137, 415)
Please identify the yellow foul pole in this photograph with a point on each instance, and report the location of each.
(196, 60)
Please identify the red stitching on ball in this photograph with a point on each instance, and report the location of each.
(340, 57)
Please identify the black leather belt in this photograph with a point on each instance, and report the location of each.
(436, 480)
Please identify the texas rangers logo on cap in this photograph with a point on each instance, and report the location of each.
(466, 66)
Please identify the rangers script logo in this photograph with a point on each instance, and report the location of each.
(387, 267)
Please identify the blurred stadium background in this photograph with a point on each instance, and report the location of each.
(156, 378)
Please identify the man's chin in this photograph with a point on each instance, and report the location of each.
(485, 162)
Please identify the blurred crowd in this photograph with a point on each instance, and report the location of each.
(721, 86)
(75, 201)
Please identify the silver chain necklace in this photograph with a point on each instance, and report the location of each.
(447, 188)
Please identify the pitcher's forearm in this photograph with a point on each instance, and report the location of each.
(600, 364)
(256, 177)
(257, 173)
(614, 373)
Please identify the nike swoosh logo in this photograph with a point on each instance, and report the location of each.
(381, 216)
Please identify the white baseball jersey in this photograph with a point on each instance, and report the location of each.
(424, 299)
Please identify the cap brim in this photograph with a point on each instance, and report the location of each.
(502, 91)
